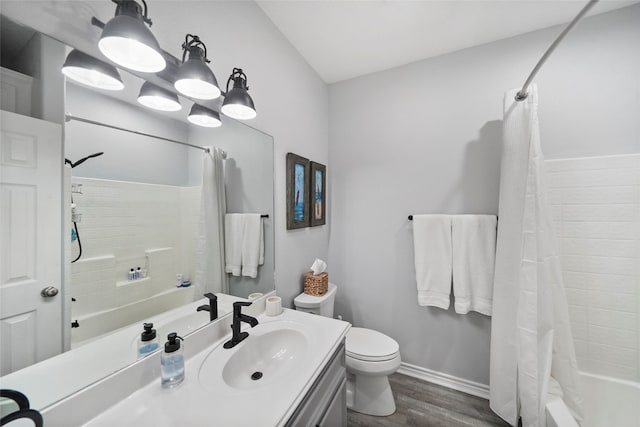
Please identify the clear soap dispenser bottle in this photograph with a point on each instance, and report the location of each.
(148, 342)
(172, 362)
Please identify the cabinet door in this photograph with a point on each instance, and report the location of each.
(336, 415)
(323, 395)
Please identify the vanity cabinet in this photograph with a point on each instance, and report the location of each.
(325, 405)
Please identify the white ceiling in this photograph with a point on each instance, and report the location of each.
(346, 39)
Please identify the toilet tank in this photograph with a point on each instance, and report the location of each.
(322, 305)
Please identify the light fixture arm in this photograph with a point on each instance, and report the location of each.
(239, 79)
(124, 3)
(193, 42)
(97, 23)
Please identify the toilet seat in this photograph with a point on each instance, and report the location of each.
(370, 346)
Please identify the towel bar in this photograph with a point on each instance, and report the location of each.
(411, 218)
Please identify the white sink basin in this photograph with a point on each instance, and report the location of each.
(272, 352)
(270, 355)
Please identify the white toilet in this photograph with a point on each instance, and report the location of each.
(370, 356)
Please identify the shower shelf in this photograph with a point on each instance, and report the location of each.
(120, 283)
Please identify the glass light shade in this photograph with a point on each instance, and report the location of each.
(238, 104)
(197, 89)
(128, 42)
(158, 98)
(195, 79)
(203, 116)
(87, 70)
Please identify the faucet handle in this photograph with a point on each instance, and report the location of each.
(237, 306)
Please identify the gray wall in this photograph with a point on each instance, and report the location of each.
(425, 138)
(292, 103)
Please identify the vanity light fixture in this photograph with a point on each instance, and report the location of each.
(158, 98)
(203, 116)
(85, 69)
(128, 42)
(237, 101)
(195, 79)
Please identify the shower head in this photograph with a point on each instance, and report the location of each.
(82, 160)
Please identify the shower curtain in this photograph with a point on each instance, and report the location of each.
(530, 331)
(210, 275)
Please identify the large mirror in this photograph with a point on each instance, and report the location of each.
(129, 229)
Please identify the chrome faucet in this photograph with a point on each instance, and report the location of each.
(212, 308)
(238, 317)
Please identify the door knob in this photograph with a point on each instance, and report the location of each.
(49, 292)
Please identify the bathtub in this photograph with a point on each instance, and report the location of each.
(95, 325)
(608, 402)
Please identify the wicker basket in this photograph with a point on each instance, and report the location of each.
(316, 285)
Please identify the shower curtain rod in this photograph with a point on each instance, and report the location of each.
(522, 93)
(68, 117)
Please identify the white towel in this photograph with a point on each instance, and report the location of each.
(432, 252)
(474, 252)
(252, 245)
(233, 239)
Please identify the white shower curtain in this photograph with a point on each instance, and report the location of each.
(210, 275)
(530, 330)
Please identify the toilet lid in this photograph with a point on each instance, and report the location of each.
(367, 344)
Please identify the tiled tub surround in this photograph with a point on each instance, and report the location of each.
(596, 204)
(127, 225)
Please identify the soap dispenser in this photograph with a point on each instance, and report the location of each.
(172, 362)
(148, 342)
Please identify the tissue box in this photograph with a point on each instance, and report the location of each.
(316, 285)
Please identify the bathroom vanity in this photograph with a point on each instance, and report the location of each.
(325, 404)
(300, 357)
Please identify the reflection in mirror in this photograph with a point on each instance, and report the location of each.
(134, 215)
(7, 406)
(141, 237)
(137, 208)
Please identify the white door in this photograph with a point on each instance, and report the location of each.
(30, 240)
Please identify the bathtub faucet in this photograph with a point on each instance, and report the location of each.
(212, 307)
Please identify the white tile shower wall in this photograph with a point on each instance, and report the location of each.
(128, 225)
(596, 208)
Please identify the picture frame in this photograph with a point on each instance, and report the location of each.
(317, 194)
(298, 182)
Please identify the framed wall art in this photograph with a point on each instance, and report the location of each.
(318, 191)
(298, 179)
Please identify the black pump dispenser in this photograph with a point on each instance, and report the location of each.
(172, 344)
(149, 333)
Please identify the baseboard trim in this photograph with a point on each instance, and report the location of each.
(470, 387)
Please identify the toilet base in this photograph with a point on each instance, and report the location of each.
(370, 395)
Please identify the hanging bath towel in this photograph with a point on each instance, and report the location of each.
(432, 256)
(530, 330)
(474, 250)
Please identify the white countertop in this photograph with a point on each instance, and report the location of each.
(53, 379)
(193, 404)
